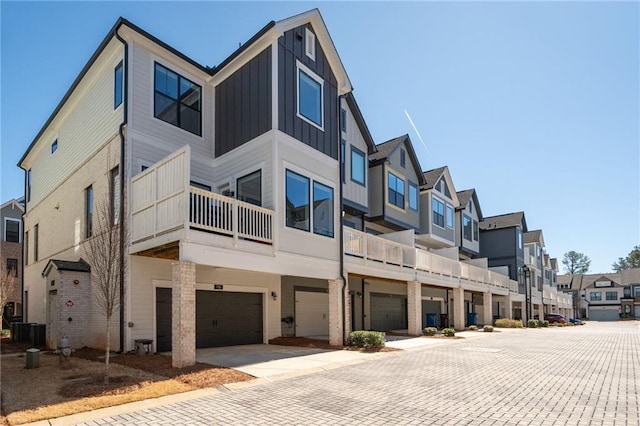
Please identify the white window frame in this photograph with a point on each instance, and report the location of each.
(10, 219)
(314, 76)
(449, 208)
(309, 44)
(444, 212)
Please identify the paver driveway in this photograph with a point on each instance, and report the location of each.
(586, 375)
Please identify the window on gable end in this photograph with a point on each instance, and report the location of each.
(54, 146)
(117, 86)
(310, 44)
(403, 156)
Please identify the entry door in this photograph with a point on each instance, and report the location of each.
(163, 319)
(53, 318)
(388, 312)
(312, 314)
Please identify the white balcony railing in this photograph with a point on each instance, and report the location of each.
(163, 201)
(371, 248)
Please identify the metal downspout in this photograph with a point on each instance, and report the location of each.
(340, 171)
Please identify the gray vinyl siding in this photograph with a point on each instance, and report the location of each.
(243, 104)
(408, 174)
(290, 49)
(472, 246)
(446, 233)
(12, 213)
(353, 191)
(500, 247)
(376, 187)
(141, 104)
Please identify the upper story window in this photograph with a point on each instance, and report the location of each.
(466, 228)
(28, 185)
(519, 237)
(413, 196)
(449, 216)
(114, 183)
(437, 207)
(26, 248)
(596, 295)
(177, 100)
(475, 230)
(11, 230)
(54, 146)
(322, 210)
(343, 120)
(358, 169)
(310, 44)
(36, 247)
(88, 212)
(396, 190)
(249, 188)
(343, 153)
(12, 267)
(612, 295)
(636, 291)
(117, 86)
(470, 207)
(310, 99)
(403, 155)
(297, 189)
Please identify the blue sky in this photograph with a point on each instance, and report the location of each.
(535, 104)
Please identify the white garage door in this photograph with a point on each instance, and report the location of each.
(312, 314)
(604, 314)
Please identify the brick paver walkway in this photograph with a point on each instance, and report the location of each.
(586, 375)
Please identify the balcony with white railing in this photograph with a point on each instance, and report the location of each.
(379, 253)
(165, 208)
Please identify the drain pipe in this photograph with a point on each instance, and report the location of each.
(125, 71)
(341, 239)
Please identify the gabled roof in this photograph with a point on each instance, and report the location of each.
(534, 237)
(273, 30)
(66, 265)
(431, 177)
(463, 199)
(17, 204)
(508, 220)
(362, 125)
(385, 149)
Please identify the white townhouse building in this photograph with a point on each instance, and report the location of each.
(251, 192)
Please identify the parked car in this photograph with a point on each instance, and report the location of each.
(555, 318)
(576, 321)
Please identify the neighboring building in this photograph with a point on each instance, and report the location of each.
(468, 218)
(11, 255)
(250, 192)
(502, 242)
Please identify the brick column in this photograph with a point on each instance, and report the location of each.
(335, 312)
(183, 314)
(414, 308)
(458, 308)
(541, 311)
(509, 308)
(347, 311)
(487, 308)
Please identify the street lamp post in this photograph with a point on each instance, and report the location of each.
(527, 292)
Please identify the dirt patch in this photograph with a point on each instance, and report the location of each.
(9, 347)
(305, 342)
(77, 386)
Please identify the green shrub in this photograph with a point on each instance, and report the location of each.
(473, 328)
(533, 323)
(429, 331)
(488, 329)
(449, 332)
(508, 323)
(4, 332)
(544, 323)
(367, 339)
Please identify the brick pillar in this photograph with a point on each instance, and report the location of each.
(541, 311)
(183, 315)
(335, 312)
(414, 308)
(347, 311)
(509, 309)
(487, 308)
(458, 308)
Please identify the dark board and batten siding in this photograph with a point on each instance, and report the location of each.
(243, 104)
(290, 49)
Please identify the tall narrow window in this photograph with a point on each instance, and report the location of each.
(35, 242)
(413, 197)
(343, 120)
(177, 100)
(403, 156)
(88, 212)
(117, 86)
(395, 190)
(357, 166)
(475, 230)
(449, 216)
(28, 185)
(12, 267)
(343, 149)
(310, 44)
(249, 188)
(54, 146)
(310, 100)
(437, 207)
(322, 210)
(26, 248)
(297, 189)
(115, 195)
(11, 230)
(466, 227)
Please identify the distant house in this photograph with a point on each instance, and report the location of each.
(11, 255)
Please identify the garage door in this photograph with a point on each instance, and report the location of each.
(604, 314)
(388, 312)
(163, 319)
(312, 314)
(228, 318)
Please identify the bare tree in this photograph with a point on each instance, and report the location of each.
(7, 285)
(576, 263)
(102, 253)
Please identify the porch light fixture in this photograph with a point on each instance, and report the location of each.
(274, 295)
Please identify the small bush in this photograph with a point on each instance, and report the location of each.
(429, 331)
(533, 323)
(449, 332)
(488, 329)
(473, 328)
(5, 332)
(508, 323)
(544, 323)
(367, 339)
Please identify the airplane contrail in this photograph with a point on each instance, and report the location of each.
(416, 130)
